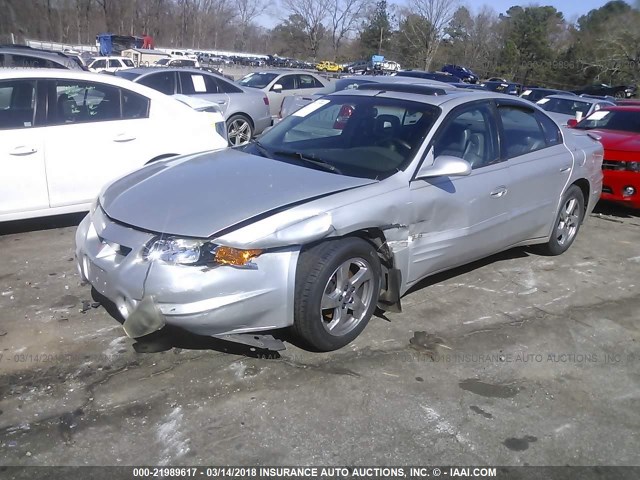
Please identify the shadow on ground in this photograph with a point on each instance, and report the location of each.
(44, 223)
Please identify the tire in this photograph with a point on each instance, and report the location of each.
(347, 309)
(239, 130)
(567, 224)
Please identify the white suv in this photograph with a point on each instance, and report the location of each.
(110, 64)
(64, 135)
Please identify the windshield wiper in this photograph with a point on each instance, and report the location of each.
(309, 159)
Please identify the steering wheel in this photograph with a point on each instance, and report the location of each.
(393, 143)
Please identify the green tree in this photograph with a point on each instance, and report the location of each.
(528, 53)
(289, 38)
(376, 33)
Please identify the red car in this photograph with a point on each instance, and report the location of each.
(619, 132)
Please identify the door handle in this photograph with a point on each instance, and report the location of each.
(565, 168)
(123, 137)
(500, 191)
(221, 102)
(23, 150)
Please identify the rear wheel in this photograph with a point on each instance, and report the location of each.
(239, 130)
(567, 222)
(336, 292)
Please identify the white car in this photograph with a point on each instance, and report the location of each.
(110, 64)
(64, 135)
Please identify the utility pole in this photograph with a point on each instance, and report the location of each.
(380, 44)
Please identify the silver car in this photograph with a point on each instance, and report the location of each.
(337, 210)
(245, 110)
(564, 107)
(279, 84)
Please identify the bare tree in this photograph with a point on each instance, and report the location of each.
(247, 12)
(436, 15)
(313, 13)
(344, 18)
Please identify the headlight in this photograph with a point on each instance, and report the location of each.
(182, 251)
(176, 251)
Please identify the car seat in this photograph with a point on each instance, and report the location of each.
(454, 141)
(66, 108)
(474, 152)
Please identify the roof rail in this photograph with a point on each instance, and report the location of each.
(403, 87)
(33, 49)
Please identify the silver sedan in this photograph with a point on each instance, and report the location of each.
(339, 209)
(280, 83)
(245, 110)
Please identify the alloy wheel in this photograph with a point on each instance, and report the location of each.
(347, 296)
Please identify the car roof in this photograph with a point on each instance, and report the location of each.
(146, 70)
(54, 73)
(623, 108)
(109, 57)
(453, 97)
(58, 57)
(575, 98)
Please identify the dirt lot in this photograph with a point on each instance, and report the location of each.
(517, 360)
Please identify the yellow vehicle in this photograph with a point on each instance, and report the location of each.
(326, 66)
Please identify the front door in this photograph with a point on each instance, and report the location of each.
(23, 186)
(460, 219)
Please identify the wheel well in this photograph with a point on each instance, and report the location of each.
(583, 184)
(391, 279)
(241, 114)
(161, 157)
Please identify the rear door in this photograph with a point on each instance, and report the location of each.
(23, 183)
(205, 87)
(539, 168)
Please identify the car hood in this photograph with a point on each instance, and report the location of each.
(618, 140)
(204, 194)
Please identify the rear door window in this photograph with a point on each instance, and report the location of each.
(522, 132)
(164, 82)
(81, 102)
(192, 83)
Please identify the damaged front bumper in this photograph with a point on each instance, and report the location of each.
(211, 301)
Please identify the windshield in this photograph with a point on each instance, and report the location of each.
(623, 120)
(359, 136)
(163, 61)
(257, 80)
(564, 106)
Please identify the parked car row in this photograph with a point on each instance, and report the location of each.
(300, 245)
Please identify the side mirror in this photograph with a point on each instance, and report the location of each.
(276, 88)
(445, 166)
(572, 122)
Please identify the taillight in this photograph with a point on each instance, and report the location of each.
(343, 117)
